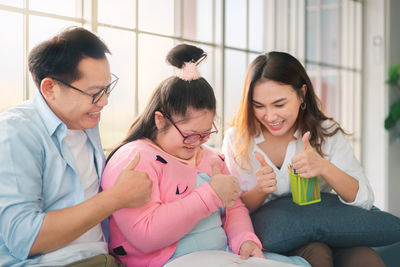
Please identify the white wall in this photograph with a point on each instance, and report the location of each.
(381, 154)
(374, 137)
(393, 57)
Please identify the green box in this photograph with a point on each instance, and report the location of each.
(304, 190)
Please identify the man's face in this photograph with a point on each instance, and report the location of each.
(74, 108)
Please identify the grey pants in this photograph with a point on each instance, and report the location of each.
(102, 260)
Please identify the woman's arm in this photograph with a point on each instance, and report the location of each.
(341, 171)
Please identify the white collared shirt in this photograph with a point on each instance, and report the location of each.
(337, 149)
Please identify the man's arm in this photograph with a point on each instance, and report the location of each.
(60, 227)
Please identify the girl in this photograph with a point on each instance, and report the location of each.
(185, 213)
(280, 123)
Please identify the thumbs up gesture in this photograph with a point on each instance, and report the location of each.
(266, 177)
(308, 163)
(225, 186)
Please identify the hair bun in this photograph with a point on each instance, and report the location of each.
(182, 53)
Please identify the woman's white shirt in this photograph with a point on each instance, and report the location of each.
(336, 148)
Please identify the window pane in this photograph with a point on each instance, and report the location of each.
(329, 2)
(157, 16)
(197, 20)
(312, 35)
(11, 52)
(256, 25)
(41, 29)
(119, 114)
(15, 3)
(312, 2)
(218, 21)
(330, 36)
(235, 34)
(61, 7)
(152, 66)
(330, 93)
(126, 10)
(235, 63)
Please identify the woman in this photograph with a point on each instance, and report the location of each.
(280, 123)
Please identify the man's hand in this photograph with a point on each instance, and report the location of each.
(225, 186)
(133, 188)
(250, 249)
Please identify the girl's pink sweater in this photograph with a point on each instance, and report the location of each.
(149, 234)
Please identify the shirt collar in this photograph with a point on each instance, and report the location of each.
(50, 120)
(260, 138)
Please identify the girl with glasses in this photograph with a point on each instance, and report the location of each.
(195, 203)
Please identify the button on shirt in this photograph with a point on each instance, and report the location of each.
(337, 149)
(37, 174)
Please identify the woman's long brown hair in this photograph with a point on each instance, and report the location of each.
(285, 69)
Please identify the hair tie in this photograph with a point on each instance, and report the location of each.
(188, 72)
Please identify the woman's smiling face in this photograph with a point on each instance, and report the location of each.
(276, 106)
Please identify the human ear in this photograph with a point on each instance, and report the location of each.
(159, 120)
(47, 88)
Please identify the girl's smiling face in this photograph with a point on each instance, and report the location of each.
(276, 106)
(171, 140)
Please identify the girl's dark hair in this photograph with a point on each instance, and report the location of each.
(285, 69)
(173, 96)
(60, 56)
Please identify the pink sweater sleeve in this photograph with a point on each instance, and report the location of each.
(237, 224)
(157, 225)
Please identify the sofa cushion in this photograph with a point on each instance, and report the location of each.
(283, 225)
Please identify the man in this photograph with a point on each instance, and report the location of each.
(51, 160)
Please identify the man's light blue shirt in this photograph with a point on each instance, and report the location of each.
(37, 174)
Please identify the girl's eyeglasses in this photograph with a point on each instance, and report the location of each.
(192, 138)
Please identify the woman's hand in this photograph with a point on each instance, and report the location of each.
(266, 177)
(250, 249)
(308, 163)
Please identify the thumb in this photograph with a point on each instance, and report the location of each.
(132, 165)
(216, 169)
(260, 159)
(306, 141)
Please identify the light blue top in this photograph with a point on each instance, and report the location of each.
(37, 174)
(209, 228)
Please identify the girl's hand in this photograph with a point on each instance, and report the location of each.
(266, 177)
(308, 163)
(250, 249)
(225, 186)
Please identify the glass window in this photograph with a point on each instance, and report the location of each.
(235, 68)
(256, 25)
(312, 35)
(60, 7)
(330, 53)
(235, 23)
(153, 68)
(330, 93)
(157, 16)
(15, 3)
(126, 10)
(11, 54)
(198, 20)
(119, 114)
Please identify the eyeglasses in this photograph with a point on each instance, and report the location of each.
(192, 138)
(97, 96)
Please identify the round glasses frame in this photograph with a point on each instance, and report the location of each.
(192, 138)
(96, 96)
